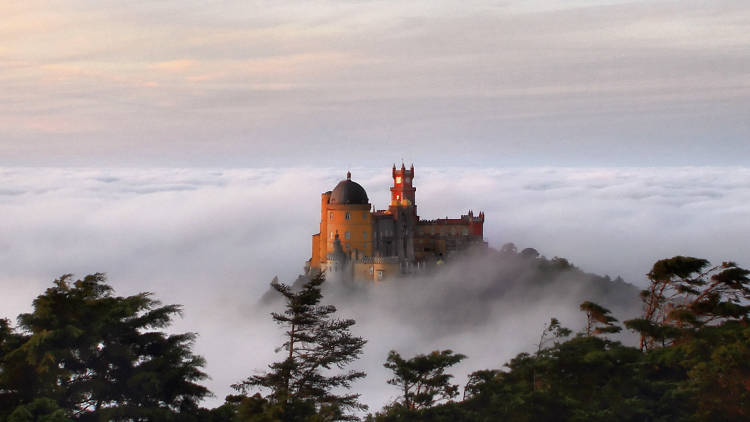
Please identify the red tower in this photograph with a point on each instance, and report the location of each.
(404, 212)
(476, 224)
(402, 192)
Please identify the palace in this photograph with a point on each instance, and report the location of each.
(364, 244)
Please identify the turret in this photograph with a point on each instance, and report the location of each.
(403, 192)
(476, 224)
(404, 211)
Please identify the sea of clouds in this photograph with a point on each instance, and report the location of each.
(212, 240)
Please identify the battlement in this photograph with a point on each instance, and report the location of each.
(465, 218)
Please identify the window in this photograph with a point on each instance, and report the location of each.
(347, 215)
(380, 274)
(372, 270)
(331, 235)
(466, 232)
(330, 215)
(398, 179)
(364, 215)
(364, 235)
(347, 236)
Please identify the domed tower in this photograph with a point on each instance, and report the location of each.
(345, 212)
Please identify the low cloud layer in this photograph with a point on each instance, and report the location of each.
(213, 239)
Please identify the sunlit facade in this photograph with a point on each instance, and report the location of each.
(368, 244)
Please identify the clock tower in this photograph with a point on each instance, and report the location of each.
(404, 212)
(402, 192)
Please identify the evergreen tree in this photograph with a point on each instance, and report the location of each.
(684, 294)
(700, 372)
(598, 319)
(39, 410)
(305, 385)
(553, 332)
(422, 379)
(98, 356)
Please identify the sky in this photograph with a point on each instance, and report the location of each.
(345, 83)
(181, 147)
(213, 239)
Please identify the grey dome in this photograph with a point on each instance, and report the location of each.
(348, 192)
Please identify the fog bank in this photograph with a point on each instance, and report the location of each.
(212, 239)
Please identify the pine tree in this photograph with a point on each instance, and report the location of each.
(98, 356)
(598, 319)
(422, 379)
(685, 294)
(306, 384)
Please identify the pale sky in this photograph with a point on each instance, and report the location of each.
(338, 83)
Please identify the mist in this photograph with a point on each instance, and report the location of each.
(212, 240)
(488, 305)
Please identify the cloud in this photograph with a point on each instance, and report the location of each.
(178, 65)
(212, 239)
(530, 83)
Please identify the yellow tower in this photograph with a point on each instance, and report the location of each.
(344, 211)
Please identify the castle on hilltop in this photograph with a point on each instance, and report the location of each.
(364, 244)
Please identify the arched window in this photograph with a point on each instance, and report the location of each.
(347, 215)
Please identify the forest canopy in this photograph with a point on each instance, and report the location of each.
(86, 354)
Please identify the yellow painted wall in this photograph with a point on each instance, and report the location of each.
(322, 244)
(362, 271)
(359, 226)
(333, 219)
(315, 260)
(390, 270)
(370, 271)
